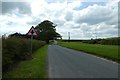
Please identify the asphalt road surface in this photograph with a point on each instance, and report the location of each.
(68, 63)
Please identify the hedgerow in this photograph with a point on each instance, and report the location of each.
(108, 41)
(17, 49)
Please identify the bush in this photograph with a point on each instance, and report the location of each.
(108, 41)
(111, 41)
(17, 49)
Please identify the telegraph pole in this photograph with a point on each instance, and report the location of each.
(69, 36)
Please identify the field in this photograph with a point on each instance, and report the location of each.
(106, 51)
(34, 68)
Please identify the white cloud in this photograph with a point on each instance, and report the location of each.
(69, 15)
(37, 7)
(95, 14)
(21, 7)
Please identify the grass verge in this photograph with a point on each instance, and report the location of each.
(106, 51)
(34, 68)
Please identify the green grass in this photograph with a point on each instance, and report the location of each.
(34, 68)
(106, 51)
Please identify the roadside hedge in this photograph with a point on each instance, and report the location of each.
(111, 41)
(108, 41)
(17, 49)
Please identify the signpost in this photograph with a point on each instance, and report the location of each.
(31, 33)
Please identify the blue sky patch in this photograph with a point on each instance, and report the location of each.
(86, 4)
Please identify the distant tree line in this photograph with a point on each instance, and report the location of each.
(107, 41)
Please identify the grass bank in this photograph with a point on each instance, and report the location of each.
(34, 68)
(106, 51)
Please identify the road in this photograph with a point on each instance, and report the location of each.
(68, 63)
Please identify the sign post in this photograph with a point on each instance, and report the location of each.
(31, 43)
(31, 33)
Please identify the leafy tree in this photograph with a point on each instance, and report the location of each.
(46, 31)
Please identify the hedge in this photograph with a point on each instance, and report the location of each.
(17, 49)
(107, 41)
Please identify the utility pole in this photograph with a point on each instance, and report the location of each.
(96, 36)
(69, 36)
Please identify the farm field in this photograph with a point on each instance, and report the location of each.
(34, 68)
(106, 51)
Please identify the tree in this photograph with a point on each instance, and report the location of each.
(47, 31)
(18, 35)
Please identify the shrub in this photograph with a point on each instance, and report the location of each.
(17, 49)
(108, 41)
(111, 41)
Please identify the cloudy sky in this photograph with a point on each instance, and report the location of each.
(84, 19)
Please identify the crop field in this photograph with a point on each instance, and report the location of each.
(106, 51)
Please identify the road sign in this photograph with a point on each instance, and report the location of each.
(32, 32)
